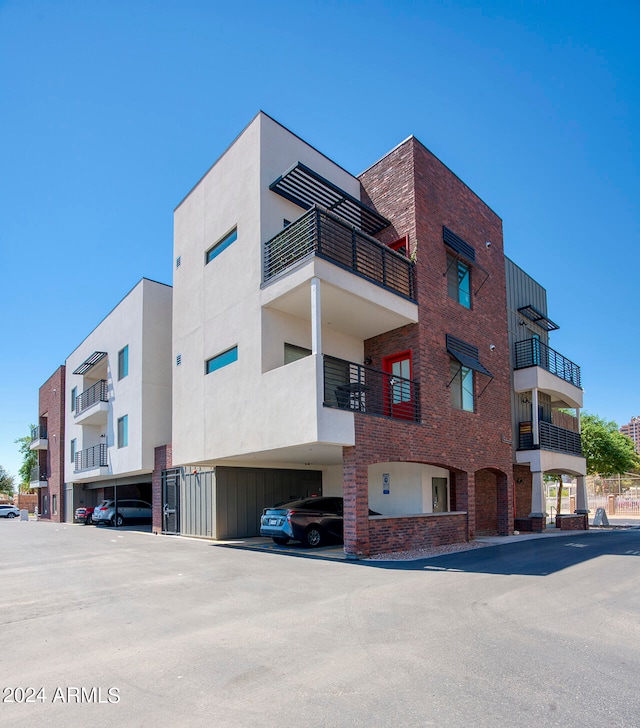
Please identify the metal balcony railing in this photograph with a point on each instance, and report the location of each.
(552, 437)
(95, 393)
(38, 473)
(362, 389)
(92, 457)
(39, 432)
(534, 353)
(319, 232)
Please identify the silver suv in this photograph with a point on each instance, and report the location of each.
(129, 510)
(7, 511)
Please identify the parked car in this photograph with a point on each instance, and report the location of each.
(84, 515)
(7, 511)
(313, 521)
(130, 510)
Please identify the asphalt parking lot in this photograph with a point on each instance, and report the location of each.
(116, 627)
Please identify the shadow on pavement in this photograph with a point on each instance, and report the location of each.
(536, 557)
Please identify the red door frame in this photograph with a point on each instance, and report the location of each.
(404, 409)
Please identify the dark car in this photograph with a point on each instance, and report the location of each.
(313, 521)
(84, 515)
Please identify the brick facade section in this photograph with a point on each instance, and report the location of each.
(51, 413)
(162, 461)
(419, 194)
(409, 532)
(523, 482)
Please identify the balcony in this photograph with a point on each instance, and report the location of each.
(92, 458)
(359, 388)
(322, 234)
(92, 405)
(39, 439)
(552, 438)
(38, 477)
(538, 366)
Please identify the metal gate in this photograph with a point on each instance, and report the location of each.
(171, 501)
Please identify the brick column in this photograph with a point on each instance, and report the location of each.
(464, 492)
(162, 461)
(356, 504)
(504, 486)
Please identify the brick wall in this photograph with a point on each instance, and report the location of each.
(419, 195)
(412, 532)
(51, 412)
(26, 500)
(162, 461)
(522, 484)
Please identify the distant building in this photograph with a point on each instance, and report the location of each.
(632, 430)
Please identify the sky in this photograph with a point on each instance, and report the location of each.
(111, 111)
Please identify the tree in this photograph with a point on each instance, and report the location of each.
(7, 482)
(29, 461)
(607, 450)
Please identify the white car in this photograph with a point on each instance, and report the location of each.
(7, 511)
(130, 510)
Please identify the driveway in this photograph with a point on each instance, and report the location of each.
(113, 627)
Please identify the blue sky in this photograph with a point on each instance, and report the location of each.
(110, 112)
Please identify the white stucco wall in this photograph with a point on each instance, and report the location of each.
(410, 488)
(254, 404)
(141, 321)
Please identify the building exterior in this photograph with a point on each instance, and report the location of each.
(352, 334)
(547, 388)
(118, 395)
(47, 439)
(632, 430)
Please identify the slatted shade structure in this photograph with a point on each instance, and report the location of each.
(459, 245)
(466, 354)
(538, 318)
(90, 362)
(304, 187)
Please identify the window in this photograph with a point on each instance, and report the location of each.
(178, 261)
(221, 360)
(74, 395)
(459, 281)
(461, 386)
(54, 504)
(123, 362)
(73, 451)
(123, 431)
(293, 353)
(221, 245)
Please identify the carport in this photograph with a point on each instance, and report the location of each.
(226, 502)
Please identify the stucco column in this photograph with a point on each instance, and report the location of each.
(581, 495)
(316, 317)
(538, 505)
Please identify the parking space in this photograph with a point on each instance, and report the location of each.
(334, 552)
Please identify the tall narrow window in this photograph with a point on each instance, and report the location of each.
(459, 281)
(221, 360)
(73, 451)
(74, 395)
(123, 362)
(221, 245)
(123, 431)
(461, 386)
